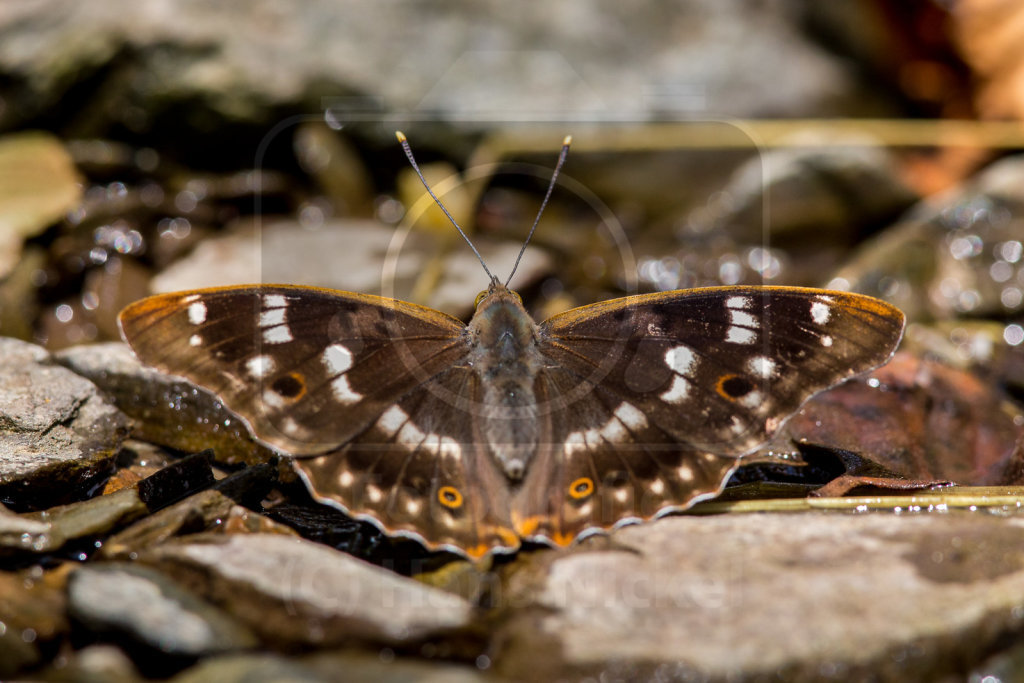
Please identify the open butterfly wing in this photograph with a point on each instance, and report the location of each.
(650, 402)
(719, 369)
(308, 369)
(422, 470)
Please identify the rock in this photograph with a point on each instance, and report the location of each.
(206, 57)
(293, 592)
(826, 191)
(57, 432)
(38, 185)
(84, 519)
(350, 255)
(95, 664)
(32, 617)
(144, 608)
(962, 248)
(205, 511)
(252, 668)
(386, 668)
(168, 411)
(751, 597)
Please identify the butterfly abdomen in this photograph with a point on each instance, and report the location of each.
(504, 355)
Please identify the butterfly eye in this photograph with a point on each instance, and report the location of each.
(581, 488)
(479, 298)
(450, 497)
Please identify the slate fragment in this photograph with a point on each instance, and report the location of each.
(58, 434)
(768, 597)
(295, 593)
(167, 411)
(151, 615)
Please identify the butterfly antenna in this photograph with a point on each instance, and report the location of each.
(551, 186)
(412, 160)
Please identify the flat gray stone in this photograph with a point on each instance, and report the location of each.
(144, 606)
(168, 411)
(293, 591)
(56, 430)
(748, 596)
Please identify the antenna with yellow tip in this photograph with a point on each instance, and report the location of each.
(551, 186)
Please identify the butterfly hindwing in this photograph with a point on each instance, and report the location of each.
(421, 470)
(292, 360)
(601, 463)
(720, 369)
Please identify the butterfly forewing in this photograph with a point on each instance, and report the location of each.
(308, 369)
(719, 369)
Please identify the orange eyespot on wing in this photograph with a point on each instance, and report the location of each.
(581, 488)
(449, 497)
(733, 387)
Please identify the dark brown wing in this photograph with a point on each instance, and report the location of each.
(650, 402)
(308, 369)
(602, 463)
(720, 369)
(421, 470)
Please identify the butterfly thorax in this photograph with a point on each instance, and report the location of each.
(504, 356)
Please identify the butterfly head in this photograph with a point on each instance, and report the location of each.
(500, 320)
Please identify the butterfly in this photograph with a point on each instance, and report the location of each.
(474, 438)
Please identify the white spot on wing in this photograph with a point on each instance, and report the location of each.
(613, 431)
(743, 319)
(272, 320)
(197, 313)
(631, 416)
(752, 400)
(678, 392)
(260, 366)
(738, 302)
(411, 436)
(685, 472)
(195, 340)
(277, 335)
(343, 391)
(391, 420)
(657, 487)
(681, 359)
(346, 479)
(273, 399)
(574, 443)
(337, 359)
(820, 312)
(740, 335)
(826, 340)
(762, 366)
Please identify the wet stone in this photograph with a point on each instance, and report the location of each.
(749, 596)
(58, 434)
(177, 480)
(294, 592)
(32, 615)
(205, 511)
(145, 609)
(168, 411)
(956, 254)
